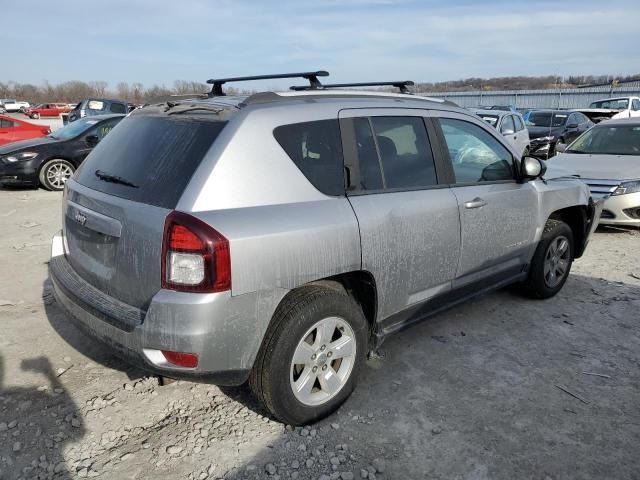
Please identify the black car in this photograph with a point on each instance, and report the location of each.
(547, 128)
(49, 161)
(96, 106)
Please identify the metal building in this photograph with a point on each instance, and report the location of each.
(551, 98)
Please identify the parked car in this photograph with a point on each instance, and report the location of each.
(11, 105)
(506, 108)
(14, 130)
(548, 128)
(509, 124)
(96, 106)
(278, 238)
(607, 158)
(47, 110)
(51, 160)
(613, 108)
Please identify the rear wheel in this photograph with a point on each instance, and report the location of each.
(551, 262)
(311, 356)
(55, 173)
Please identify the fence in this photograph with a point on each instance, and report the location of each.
(552, 98)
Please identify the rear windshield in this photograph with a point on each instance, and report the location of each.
(149, 159)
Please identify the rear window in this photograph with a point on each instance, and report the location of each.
(156, 154)
(316, 149)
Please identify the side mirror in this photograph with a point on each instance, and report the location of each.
(560, 147)
(508, 131)
(533, 168)
(92, 140)
(572, 125)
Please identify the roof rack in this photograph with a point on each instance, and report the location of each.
(216, 90)
(402, 85)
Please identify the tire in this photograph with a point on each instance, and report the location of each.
(54, 173)
(541, 283)
(35, 116)
(305, 317)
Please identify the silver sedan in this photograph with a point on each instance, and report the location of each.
(607, 158)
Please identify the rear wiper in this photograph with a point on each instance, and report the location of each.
(191, 109)
(114, 179)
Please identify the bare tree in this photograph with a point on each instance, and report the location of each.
(99, 87)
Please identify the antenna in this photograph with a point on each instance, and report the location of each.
(216, 90)
(401, 85)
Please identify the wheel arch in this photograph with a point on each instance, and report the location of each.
(577, 219)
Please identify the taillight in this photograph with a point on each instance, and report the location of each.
(195, 257)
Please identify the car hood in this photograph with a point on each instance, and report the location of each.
(611, 167)
(24, 144)
(537, 132)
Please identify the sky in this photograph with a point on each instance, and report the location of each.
(159, 41)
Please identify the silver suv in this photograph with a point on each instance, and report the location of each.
(280, 237)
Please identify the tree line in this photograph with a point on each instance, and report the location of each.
(75, 90)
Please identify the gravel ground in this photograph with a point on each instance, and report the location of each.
(499, 388)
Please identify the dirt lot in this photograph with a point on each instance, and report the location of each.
(499, 388)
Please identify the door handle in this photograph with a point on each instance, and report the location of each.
(475, 203)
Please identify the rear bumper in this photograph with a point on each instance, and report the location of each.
(223, 331)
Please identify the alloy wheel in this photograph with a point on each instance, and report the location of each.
(556, 261)
(58, 174)
(322, 361)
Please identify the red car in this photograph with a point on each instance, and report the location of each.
(47, 110)
(13, 130)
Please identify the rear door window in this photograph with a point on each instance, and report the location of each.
(507, 125)
(519, 123)
(316, 149)
(156, 154)
(405, 152)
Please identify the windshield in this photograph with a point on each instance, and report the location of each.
(74, 129)
(613, 104)
(546, 119)
(490, 119)
(613, 140)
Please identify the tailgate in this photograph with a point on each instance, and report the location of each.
(114, 244)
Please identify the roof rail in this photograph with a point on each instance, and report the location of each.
(216, 90)
(402, 85)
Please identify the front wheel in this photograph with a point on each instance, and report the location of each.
(551, 262)
(55, 173)
(35, 116)
(311, 356)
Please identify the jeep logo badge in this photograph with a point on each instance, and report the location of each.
(80, 218)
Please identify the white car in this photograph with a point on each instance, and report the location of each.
(613, 108)
(11, 105)
(511, 125)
